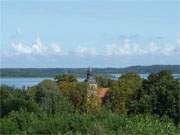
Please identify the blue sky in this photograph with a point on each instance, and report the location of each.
(55, 33)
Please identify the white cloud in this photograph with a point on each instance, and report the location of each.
(56, 48)
(116, 54)
(127, 48)
(38, 48)
(85, 51)
(20, 48)
(134, 49)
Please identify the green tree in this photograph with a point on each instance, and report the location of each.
(65, 78)
(50, 99)
(122, 91)
(76, 93)
(160, 95)
(13, 99)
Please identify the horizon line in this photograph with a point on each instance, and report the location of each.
(88, 66)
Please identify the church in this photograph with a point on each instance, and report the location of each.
(93, 88)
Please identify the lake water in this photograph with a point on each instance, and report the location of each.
(20, 82)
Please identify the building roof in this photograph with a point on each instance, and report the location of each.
(102, 92)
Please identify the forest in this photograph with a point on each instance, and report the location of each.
(134, 106)
(80, 72)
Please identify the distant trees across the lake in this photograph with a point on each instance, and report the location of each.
(51, 72)
(133, 106)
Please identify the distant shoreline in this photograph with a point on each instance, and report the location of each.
(80, 72)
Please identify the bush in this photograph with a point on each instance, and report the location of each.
(13, 99)
(8, 127)
(100, 123)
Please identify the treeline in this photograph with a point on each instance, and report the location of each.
(133, 106)
(51, 72)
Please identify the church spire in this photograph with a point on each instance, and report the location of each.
(89, 76)
(89, 73)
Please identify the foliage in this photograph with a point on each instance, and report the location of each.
(8, 127)
(104, 81)
(74, 91)
(95, 124)
(15, 99)
(122, 91)
(134, 106)
(51, 101)
(76, 94)
(159, 95)
(65, 78)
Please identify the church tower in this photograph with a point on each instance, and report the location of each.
(92, 85)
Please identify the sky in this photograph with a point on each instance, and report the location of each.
(79, 33)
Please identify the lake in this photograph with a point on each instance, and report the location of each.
(20, 82)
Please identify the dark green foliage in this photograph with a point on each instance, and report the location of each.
(8, 127)
(134, 106)
(15, 99)
(101, 123)
(65, 78)
(160, 94)
(22, 119)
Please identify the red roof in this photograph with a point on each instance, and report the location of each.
(102, 92)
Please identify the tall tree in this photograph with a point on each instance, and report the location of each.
(160, 95)
(122, 90)
(50, 99)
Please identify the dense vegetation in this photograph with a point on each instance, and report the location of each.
(51, 72)
(134, 106)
